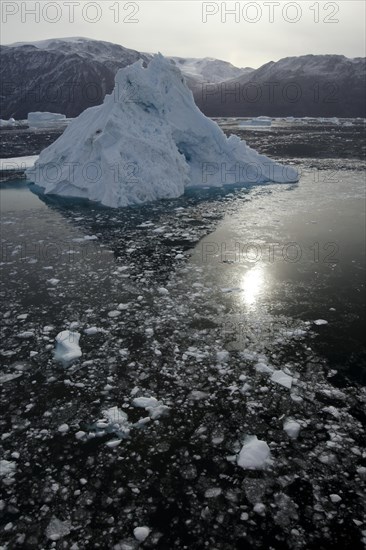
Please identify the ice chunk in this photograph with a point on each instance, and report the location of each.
(263, 367)
(64, 428)
(222, 356)
(213, 492)
(7, 468)
(154, 407)
(148, 141)
(197, 395)
(115, 416)
(254, 455)
(259, 508)
(163, 291)
(292, 428)
(141, 533)
(25, 335)
(53, 282)
(114, 313)
(67, 346)
(280, 377)
(8, 377)
(57, 529)
(113, 443)
(7, 123)
(90, 331)
(320, 322)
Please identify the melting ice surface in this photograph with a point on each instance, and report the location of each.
(148, 141)
(67, 346)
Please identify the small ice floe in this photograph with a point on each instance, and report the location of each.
(320, 322)
(116, 421)
(163, 291)
(7, 468)
(292, 428)
(67, 346)
(10, 376)
(22, 316)
(259, 508)
(335, 498)
(25, 335)
(53, 282)
(332, 410)
(141, 533)
(113, 443)
(222, 356)
(114, 313)
(263, 367)
(123, 307)
(63, 429)
(213, 492)
(90, 331)
(57, 529)
(254, 455)
(154, 407)
(197, 395)
(280, 377)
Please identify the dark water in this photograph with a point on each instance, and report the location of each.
(205, 287)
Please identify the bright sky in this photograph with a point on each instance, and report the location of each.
(252, 34)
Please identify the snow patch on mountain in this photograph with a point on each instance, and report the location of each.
(208, 69)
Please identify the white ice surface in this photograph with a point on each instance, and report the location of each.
(254, 455)
(154, 407)
(280, 377)
(57, 529)
(148, 141)
(7, 468)
(141, 533)
(67, 346)
(116, 416)
(292, 428)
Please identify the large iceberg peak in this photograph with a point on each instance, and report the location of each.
(156, 86)
(148, 141)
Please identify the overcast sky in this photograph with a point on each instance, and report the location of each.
(256, 33)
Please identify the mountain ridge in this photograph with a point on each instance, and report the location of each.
(68, 75)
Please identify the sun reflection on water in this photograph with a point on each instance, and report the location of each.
(253, 283)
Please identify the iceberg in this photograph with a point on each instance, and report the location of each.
(43, 119)
(257, 122)
(17, 164)
(148, 141)
(7, 123)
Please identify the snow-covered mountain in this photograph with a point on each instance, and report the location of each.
(309, 85)
(60, 75)
(68, 75)
(209, 69)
